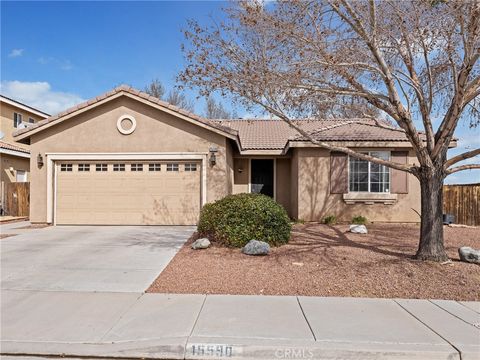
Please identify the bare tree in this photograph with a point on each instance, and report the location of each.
(215, 110)
(155, 88)
(174, 96)
(412, 60)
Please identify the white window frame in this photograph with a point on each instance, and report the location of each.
(21, 176)
(119, 167)
(154, 167)
(17, 119)
(101, 167)
(66, 167)
(189, 167)
(369, 172)
(173, 167)
(83, 167)
(136, 167)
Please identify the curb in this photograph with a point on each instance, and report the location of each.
(232, 348)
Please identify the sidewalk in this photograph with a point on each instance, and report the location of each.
(163, 326)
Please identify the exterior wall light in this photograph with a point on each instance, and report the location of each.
(213, 158)
(39, 160)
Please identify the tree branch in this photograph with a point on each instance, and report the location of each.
(282, 116)
(460, 157)
(463, 167)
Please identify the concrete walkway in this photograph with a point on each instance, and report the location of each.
(163, 326)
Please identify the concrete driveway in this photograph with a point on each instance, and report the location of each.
(88, 258)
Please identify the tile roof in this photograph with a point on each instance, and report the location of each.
(131, 91)
(256, 134)
(357, 130)
(8, 146)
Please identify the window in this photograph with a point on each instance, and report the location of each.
(31, 120)
(66, 167)
(17, 119)
(118, 167)
(172, 167)
(154, 167)
(101, 167)
(136, 167)
(369, 177)
(83, 167)
(190, 167)
(21, 176)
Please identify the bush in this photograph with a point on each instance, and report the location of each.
(237, 219)
(330, 220)
(359, 220)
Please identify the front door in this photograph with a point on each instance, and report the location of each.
(262, 176)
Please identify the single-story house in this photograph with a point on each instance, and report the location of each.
(128, 158)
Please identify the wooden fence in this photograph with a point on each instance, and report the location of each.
(17, 199)
(463, 201)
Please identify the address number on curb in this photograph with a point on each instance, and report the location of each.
(214, 351)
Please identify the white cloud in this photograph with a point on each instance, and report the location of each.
(16, 53)
(39, 95)
(62, 64)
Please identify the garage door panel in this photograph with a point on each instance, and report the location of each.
(128, 197)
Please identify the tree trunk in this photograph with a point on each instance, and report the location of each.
(431, 245)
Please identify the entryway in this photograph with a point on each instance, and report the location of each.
(262, 176)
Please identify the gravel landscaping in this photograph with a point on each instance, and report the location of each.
(323, 260)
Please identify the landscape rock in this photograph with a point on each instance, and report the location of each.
(358, 229)
(255, 247)
(468, 254)
(202, 243)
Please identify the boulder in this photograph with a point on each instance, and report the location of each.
(202, 243)
(468, 254)
(255, 247)
(358, 229)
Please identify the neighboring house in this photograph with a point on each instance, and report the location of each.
(15, 157)
(128, 158)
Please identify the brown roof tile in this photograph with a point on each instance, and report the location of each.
(360, 130)
(8, 146)
(259, 134)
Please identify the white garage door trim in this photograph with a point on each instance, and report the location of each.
(52, 158)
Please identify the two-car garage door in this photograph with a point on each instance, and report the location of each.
(128, 193)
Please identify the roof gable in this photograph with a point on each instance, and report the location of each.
(128, 91)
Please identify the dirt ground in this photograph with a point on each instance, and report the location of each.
(323, 260)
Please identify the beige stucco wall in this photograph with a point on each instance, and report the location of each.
(95, 131)
(283, 183)
(241, 175)
(6, 120)
(316, 202)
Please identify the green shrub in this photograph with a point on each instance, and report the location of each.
(237, 219)
(359, 220)
(330, 220)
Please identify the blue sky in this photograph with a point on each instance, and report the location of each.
(56, 54)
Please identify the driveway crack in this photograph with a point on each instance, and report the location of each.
(121, 317)
(431, 329)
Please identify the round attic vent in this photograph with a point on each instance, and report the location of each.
(126, 124)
